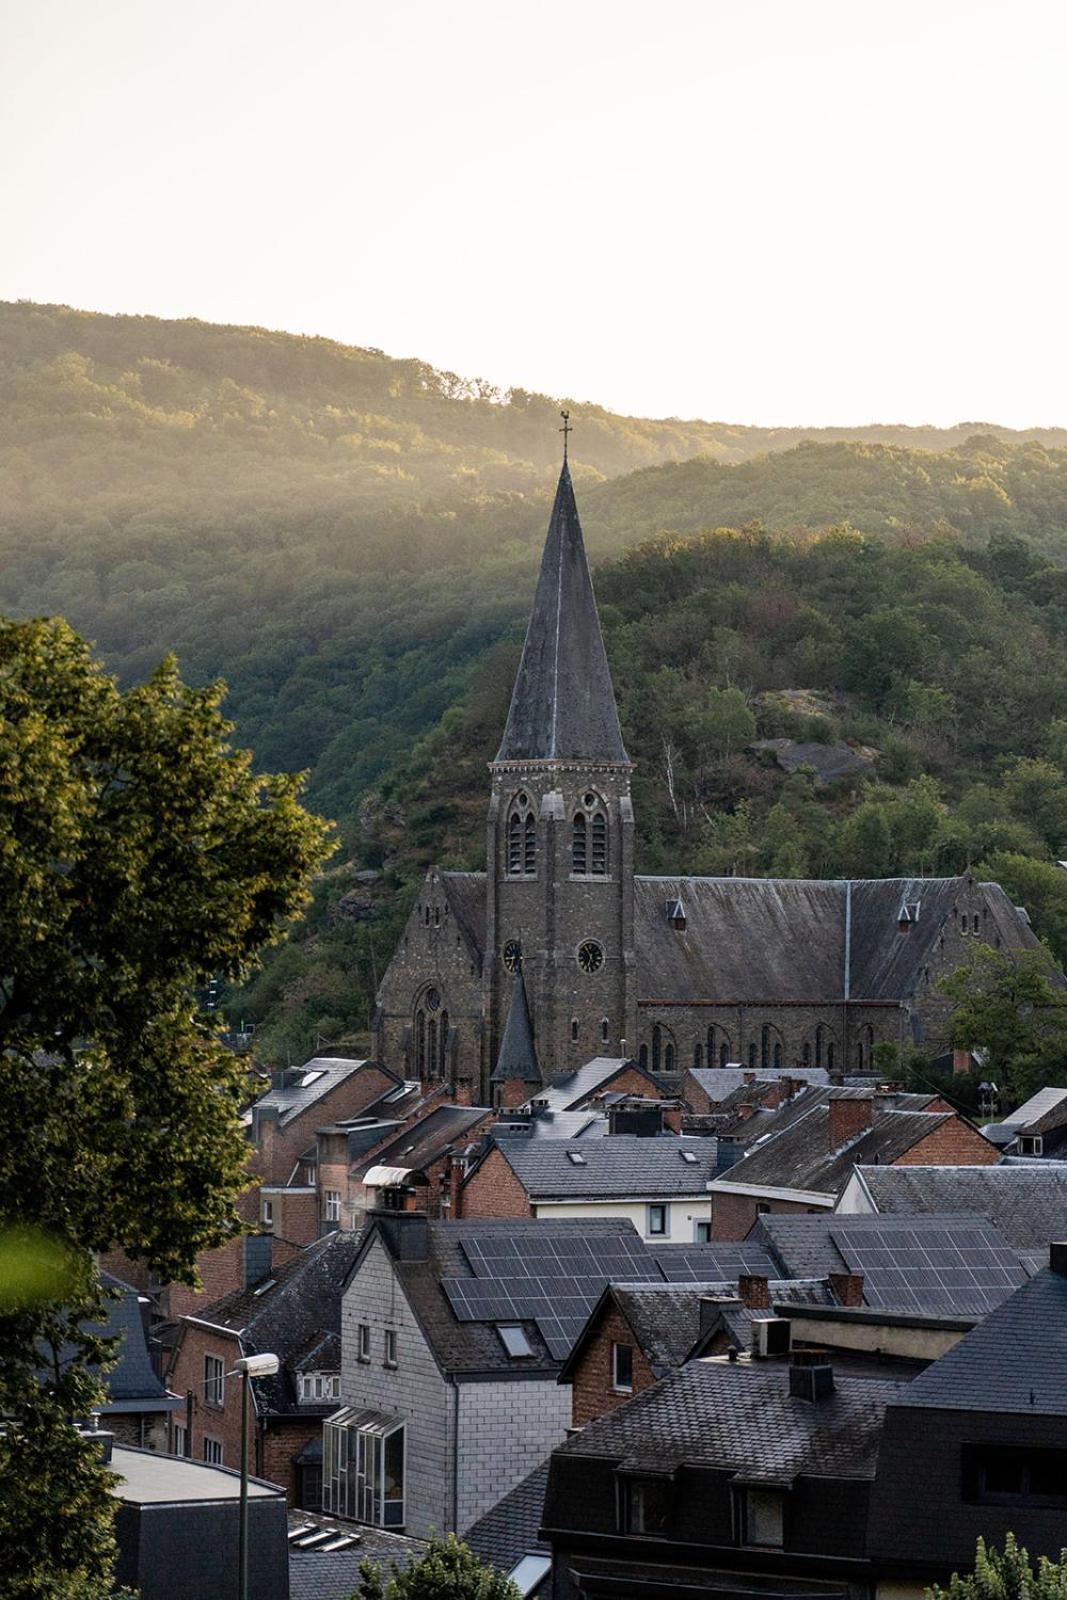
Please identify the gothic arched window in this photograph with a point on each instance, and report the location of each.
(765, 1047)
(529, 845)
(818, 1045)
(600, 845)
(668, 1058)
(431, 1048)
(515, 843)
(724, 1055)
(642, 1057)
(711, 1047)
(829, 1058)
(657, 1047)
(444, 1042)
(752, 1055)
(805, 1054)
(698, 1054)
(579, 853)
(522, 839)
(420, 1043)
(777, 1054)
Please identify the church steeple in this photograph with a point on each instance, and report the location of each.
(563, 705)
(517, 1061)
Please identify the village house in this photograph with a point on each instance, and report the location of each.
(294, 1312)
(806, 1166)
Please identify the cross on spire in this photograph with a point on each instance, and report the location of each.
(565, 430)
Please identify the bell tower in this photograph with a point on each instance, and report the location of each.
(560, 833)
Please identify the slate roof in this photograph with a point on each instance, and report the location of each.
(665, 1317)
(334, 1574)
(510, 1530)
(1015, 1360)
(744, 1419)
(622, 1166)
(426, 1141)
(291, 1316)
(801, 1156)
(927, 1265)
(466, 896)
(517, 1059)
(719, 1083)
(132, 1382)
(1045, 1109)
(294, 1098)
(553, 1125)
(573, 1089)
(510, 1291)
(790, 940)
(563, 704)
(1027, 1203)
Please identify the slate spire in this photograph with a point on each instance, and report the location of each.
(518, 1054)
(563, 705)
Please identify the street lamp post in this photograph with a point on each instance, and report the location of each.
(264, 1366)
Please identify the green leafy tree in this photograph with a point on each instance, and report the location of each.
(1005, 1003)
(1006, 1575)
(1040, 886)
(449, 1570)
(139, 857)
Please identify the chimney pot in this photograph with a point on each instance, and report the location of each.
(847, 1287)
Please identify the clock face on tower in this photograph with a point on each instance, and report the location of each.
(590, 956)
(512, 954)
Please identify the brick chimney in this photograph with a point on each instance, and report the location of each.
(849, 1115)
(961, 1062)
(847, 1287)
(754, 1291)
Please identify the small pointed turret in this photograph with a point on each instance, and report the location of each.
(563, 705)
(517, 1061)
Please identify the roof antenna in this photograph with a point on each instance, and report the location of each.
(565, 430)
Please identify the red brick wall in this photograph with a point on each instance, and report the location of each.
(954, 1144)
(280, 1148)
(629, 1081)
(187, 1372)
(732, 1215)
(493, 1190)
(592, 1394)
(282, 1439)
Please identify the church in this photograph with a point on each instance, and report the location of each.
(558, 952)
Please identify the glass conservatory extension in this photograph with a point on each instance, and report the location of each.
(363, 1467)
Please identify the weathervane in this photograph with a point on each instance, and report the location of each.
(565, 430)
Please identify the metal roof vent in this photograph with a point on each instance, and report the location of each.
(908, 914)
(676, 915)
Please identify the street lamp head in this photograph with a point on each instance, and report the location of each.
(263, 1366)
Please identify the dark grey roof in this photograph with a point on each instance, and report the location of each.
(760, 939)
(518, 1054)
(552, 1125)
(928, 1265)
(1015, 1360)
(299, 1306)
(741, 1418)
(572, 1089)
(718, 1083)
(427, 1140)
(466, 896)
(802, 1157)
(622, 1166)
(132, 1380)
(665, 1317)
(563, 704)
(334, 1574)
(1046, 1109)
(510, 1530)
(1027, 1203)
(308, 1084)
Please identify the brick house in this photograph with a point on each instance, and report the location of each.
(295, 1313)
(806, 1166)
(660, 1184)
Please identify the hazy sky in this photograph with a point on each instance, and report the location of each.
(800, 212)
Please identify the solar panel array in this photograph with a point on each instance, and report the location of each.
(555, 1281)
(952, 1268)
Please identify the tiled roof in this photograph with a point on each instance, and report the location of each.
(802, 1157)
(622, 1166)
(1015, 1360)
(299, 1306)
(761, 939)
(510, 1530)
(573, 1089)
(425, 1141)
(742, 1418)
(132, 1378)
(665, 1317)
(927, 1265)
(309, 1084)
(1028, 1203)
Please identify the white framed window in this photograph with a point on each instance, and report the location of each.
(212, 1451)
(622, 1368)
(331, 1205)
(268, 1212)
(179, 1445)
(701, 1232)
(214, 1381)
(363, 1342)
(390, 1347)
(656, 1221)
(363, 1460)
(1031, 1144)
(318, 1386)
